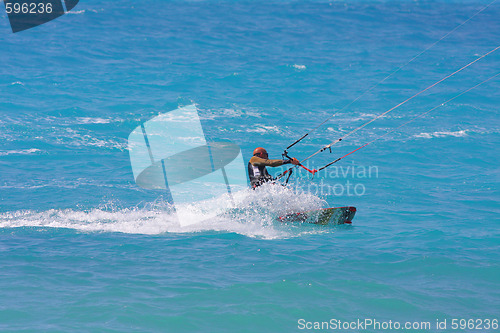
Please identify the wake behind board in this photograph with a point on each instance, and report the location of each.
(331, 216)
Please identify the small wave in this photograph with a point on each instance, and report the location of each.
(19, 152)
(264, 129)
(442, 134)
(76, 12)
(88, 120)
(299, 67)
(17, 83)
(66, 184)
(254, 215)
(75, 138)
(342, 118)
(230, 113)
(83, 11)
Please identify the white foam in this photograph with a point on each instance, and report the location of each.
(76, 12)
(78, 139)
(258, 128)
(254, 215)
(299, 67)
(88, 120)
(442, 134)
(19, 152)
(83, 11)
(230, 113)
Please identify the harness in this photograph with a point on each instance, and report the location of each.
(258, 175)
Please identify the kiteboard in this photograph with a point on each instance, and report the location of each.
(330, 216)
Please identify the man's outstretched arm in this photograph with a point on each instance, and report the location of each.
(258, 161)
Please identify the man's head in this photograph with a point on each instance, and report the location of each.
(260, 152)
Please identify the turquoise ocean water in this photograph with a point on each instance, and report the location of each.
(83, 248)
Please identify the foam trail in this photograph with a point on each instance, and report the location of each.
(253, 215)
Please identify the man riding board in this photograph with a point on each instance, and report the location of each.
(257, 171)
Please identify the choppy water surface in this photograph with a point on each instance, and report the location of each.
(83, 248)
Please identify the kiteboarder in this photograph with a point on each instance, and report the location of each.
(257, 171)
